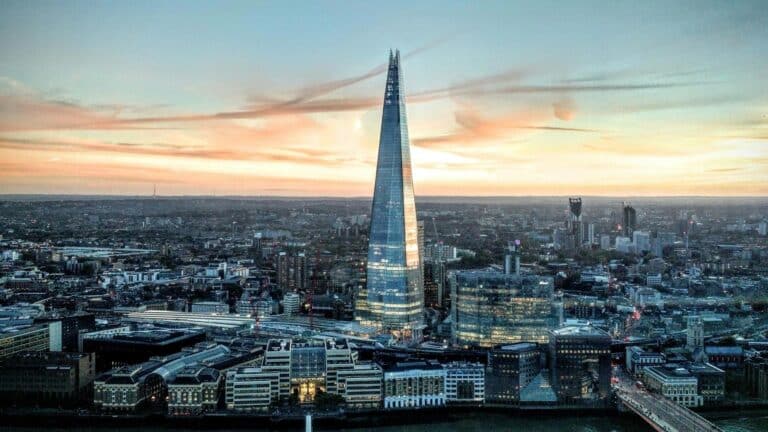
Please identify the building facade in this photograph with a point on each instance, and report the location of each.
(38, 337)
(194, 391)
(491, 308)
(302, 369)
(47, 378)
(414, 384)
(510, 369)
(675, 383)
(580, 363)
(464, 383)
(394, 297)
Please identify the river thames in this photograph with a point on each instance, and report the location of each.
(750, 422)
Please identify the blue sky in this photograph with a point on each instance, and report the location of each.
(604, 89)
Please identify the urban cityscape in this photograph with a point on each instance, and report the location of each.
(390, 310)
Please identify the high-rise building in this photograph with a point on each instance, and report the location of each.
(580, 363)
(434, 284)
(575, 225)
(394, 297)
(292, 271)
(630, 220)
(489, 308)
(420, 225)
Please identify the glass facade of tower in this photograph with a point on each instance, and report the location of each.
(491, 308)
(394, 298)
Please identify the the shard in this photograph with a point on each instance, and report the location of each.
(394, 297)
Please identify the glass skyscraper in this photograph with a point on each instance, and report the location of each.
(394, 297)
(489, 308)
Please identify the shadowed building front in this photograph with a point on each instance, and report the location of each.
(394, 296)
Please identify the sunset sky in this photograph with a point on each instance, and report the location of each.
(620, 98)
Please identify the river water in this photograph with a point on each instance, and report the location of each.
(485, 422)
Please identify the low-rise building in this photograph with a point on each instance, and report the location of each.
(510, 369)
(711, 382)
(638, 359)
(47, 378)
(464, 383)
(38, 337)
(414, 384)
(194, 390)
(361, 386)
(580, 362)
(210, 307)
(675, 383)
(756, 376)
(129, 387)
(252, 389)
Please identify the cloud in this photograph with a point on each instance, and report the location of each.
(564, 109)
(473, 127)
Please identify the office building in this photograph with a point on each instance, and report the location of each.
(629, 221)
(303, 368)
(291, 303)
(710, 382)
(361, 386)
(637, 359)
(132, 347)
(756, 376)
(71, 327)
(393, 299)
(580, 363)
(292, 271)
(464, 383)
(414, 384)
(675, 383)
(490, 308)
(434, 284)
(47, 378)
(252, 389)
(642, 241)
(37, 337)
(575, 224)
(510, 369)
(210, 307)
(605, 241)
(420, 241)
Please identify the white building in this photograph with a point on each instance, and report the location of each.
(605, 241)
(210, 307)
(642, 241)
(624, 244)
(653, 279)
(637, 359)
(464, 383)
(676, 384)
(414, 384)
(252, 388)
(291, 303)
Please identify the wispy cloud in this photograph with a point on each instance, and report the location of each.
(474, 127)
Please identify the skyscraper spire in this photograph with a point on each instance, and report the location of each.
(394, 296)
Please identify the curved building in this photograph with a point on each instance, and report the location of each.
(394, 297)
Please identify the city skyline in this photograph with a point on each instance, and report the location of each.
(505, 99)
